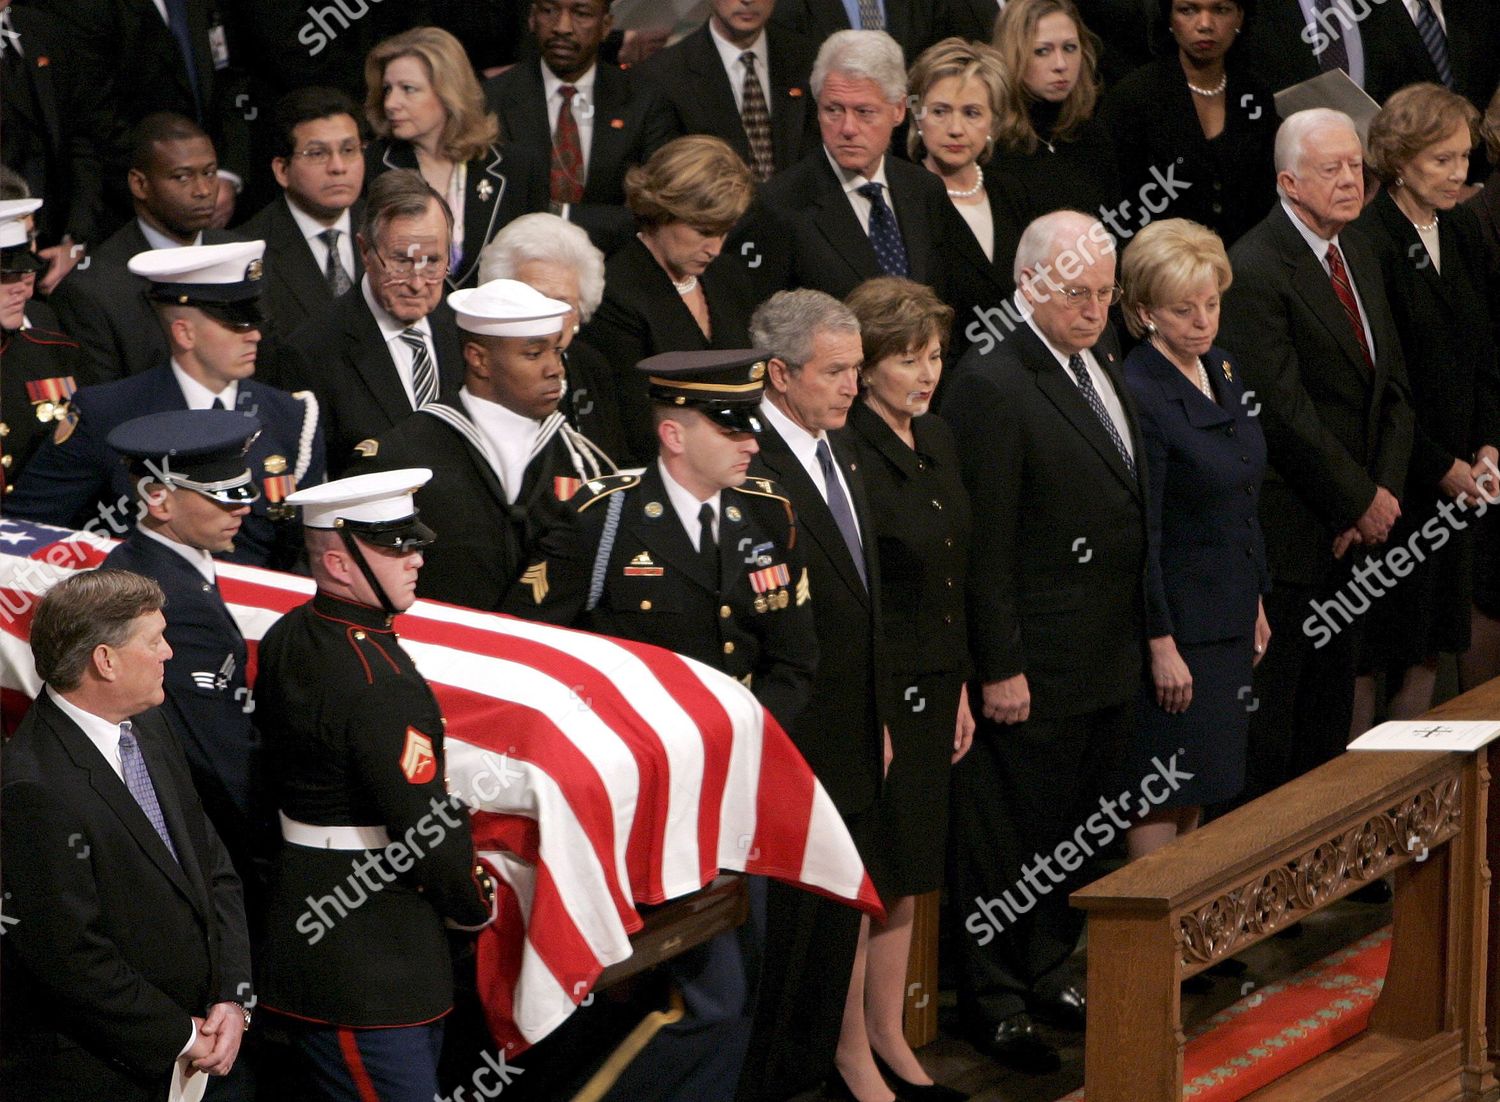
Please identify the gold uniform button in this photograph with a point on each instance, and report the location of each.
(645, 606)
(359, 635)
(728, 648)
(724, 612)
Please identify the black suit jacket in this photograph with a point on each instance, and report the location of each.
(503, 184)
(631, 121)
(114, 943)
(840, 730)
(909, 22)
(642, 314)
(293, 288)
(341, 356)
(1333, 432)
(1058, 553)
(691, 75)
(803, 232)
(976, 281)
(54, 123)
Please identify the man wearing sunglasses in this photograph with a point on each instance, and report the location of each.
(207, 301)
(391, 346)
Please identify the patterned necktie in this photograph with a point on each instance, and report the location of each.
(1335, 53)
(567, 152)
(138, 780)
(756, 118)
(708, 547)
(890, 251)
(177, 22)
(1345, 292)
(334, 273)
(838, 505)
(1091, 396)
(870, 18)
(1435, 40)
(424, 384)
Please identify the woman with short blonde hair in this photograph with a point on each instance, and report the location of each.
(1166, 264)
(427, 111)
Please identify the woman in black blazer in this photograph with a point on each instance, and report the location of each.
(1197, 119)
(1047, 137)
(427, 111)
(662, 292)
(1432, 260)
(919, 514)
(1206, 564)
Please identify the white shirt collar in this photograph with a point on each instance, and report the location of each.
(199, 396)
(510, 434)
(1024, 309)
(551, 82)
(158, 240)
(311, 227)
(390, 327)
(804, 444)
(101, 732)
(199, 559)
(853, 181)
(1318, 245)
(729, 53)
(687, 506)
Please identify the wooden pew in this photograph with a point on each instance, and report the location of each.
(1267, 865)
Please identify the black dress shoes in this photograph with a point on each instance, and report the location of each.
(916, 1092)
(1065, 1008)
(1017, 1045)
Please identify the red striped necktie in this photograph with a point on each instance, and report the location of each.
(1345, 292)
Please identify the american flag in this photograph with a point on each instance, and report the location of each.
(601, 773)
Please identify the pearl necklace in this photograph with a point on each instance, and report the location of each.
(970, 192)
(1209, 93)
(1208, 391)
(687, 286)
(1426, 227)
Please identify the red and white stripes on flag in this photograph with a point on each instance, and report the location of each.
(602, 774)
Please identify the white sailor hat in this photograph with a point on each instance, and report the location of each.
(15, 235)
(378, 507)
(221, 279)
(508, 308)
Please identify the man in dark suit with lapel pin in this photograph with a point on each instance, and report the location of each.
(587, 119)
(1052, 459)
(173, 181)
(1318, 346)
(764, 112)
(206, 300)
(848, 211)
(910, 22)
(811, 382)
(390, 345)
(126, 954)
(311, 254)
(502, 455)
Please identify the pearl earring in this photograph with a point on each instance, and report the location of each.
(1151, 327)
(1399, 182)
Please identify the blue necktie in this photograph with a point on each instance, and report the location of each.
(890, 252)
(1435, 40)
(1096, 403)
(138, 780)
(838, 505)
(177, 22)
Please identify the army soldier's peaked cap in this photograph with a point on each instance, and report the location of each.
(723, 384)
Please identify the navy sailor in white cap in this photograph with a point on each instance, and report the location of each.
(503, 456)
(206, 298)
(378, 856)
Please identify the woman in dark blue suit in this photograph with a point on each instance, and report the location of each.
(1206, 566)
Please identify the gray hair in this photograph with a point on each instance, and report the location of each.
(1292, 135)
(550, 238)
(1056, 234)
(862, 55)
(786, 323)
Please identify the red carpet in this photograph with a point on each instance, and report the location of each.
(1283, 1025)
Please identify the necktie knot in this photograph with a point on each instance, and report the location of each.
(334, 273)
(706, 518)
(1078, 367)
(567, 92)
(330, 238)
(748, 59)
(424, 381)
(871, 191)
(127, 737)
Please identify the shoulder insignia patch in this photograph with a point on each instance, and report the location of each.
(367, 448)
(536, 578)
(804, 589)
(65, 426)
(418, 762)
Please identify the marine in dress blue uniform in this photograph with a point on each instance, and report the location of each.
(357, 965)
(212, 293)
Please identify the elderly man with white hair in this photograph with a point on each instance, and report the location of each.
(1321, 355)
(1053, 461)
(847, 212)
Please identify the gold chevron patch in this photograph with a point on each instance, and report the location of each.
(804, 589)
(536, 578)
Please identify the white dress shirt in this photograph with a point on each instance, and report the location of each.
(1099, 377)
(804, 446)
(583, 107)
(198, 396)
(853, 181)
(158, 240)
(730, 55)
(311, 228)
(687, 506)
(1320, 249)
(510, 435)
(199, 559)
(391, 329)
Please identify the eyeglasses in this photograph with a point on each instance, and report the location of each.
(1077, 296)
(403, 269)
(319, 155)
